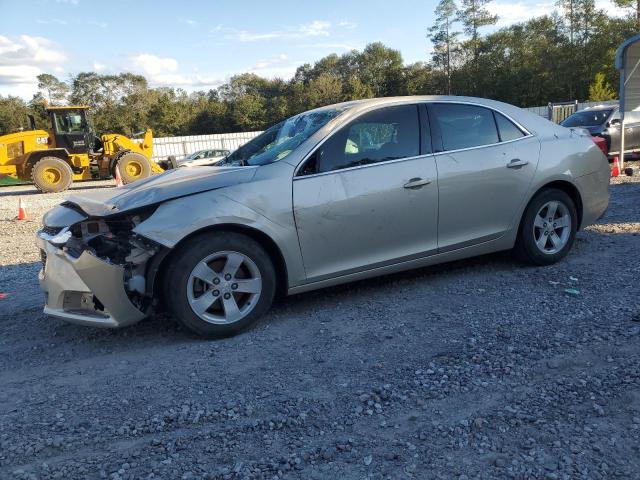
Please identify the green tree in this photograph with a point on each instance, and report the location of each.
(380, 68)
(633, 5)
(52, 89)
(600, 90)
(444, 38)
(474, 15)
(13, 114)
(324, 90)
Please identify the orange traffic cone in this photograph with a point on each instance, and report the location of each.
(615, 168)
(22, 212)
(119, 182)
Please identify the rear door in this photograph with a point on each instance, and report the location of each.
(485, 166)
(367, 197)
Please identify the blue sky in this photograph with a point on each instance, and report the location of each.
(196, 45)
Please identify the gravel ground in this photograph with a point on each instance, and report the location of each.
(481, 368)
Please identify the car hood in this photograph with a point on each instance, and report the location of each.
(160, 188)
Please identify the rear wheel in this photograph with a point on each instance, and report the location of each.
(133, 166)
(219, 284)
(548, 228)
(51, 174)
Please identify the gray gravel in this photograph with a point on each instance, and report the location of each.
(481, 368)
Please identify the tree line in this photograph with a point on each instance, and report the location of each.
(565, 55)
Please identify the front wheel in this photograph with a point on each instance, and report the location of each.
(219, 284)
(548, 228)
(51, 174)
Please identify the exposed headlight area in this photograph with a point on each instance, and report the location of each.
(108, 238)
(112, 244)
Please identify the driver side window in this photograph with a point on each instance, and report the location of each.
(385, 134)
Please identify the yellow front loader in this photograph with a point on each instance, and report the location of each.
(53, 159)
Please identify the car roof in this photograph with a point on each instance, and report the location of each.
(530, 121)
(598, 107)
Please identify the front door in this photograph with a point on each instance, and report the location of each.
(485, 166)
(367, 196)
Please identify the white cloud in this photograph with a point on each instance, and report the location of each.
(347, 24)
(160, 71)
(97, 23)
(189, 21)
(208, 81)
(51, 21)
(510, 13)
(317, 28)
(268, 62)
(331, 46)
(279, 66)
(99, 67)
(23, 58)
(154, 65)
(15, 74)
(70, 2)
(29, 50)
(612, 9)
(170, 79)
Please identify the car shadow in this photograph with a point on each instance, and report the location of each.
(21, 297)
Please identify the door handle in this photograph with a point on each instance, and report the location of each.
(516, 163)
(417, 182)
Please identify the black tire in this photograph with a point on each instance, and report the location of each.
(51, 174)
(526, 248)
(190, 254)
(133, 166)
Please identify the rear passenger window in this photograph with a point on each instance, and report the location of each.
(508, 130)
(464, 126)
(385, 134)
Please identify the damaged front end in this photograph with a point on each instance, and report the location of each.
(94, 268)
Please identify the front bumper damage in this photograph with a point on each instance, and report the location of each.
(86, 288)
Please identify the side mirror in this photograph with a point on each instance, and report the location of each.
(615, 121)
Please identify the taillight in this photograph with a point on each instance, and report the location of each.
(601, 143)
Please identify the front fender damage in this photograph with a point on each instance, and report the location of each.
(104, 264)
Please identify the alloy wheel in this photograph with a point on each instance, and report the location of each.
(224, 287)
(552, 227)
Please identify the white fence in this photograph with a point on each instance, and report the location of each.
(544, 110)
(183, 146)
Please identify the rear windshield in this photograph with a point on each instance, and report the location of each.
(587, 118)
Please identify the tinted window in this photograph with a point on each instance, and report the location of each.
(586, 118)
(464, 126)
(508, 130)
(385, 134)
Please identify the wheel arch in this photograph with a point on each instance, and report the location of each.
(157, 270)
(565, 186)
(37, 155)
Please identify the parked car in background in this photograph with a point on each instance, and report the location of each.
(604, 121)
(329, 196)
(203, 157)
